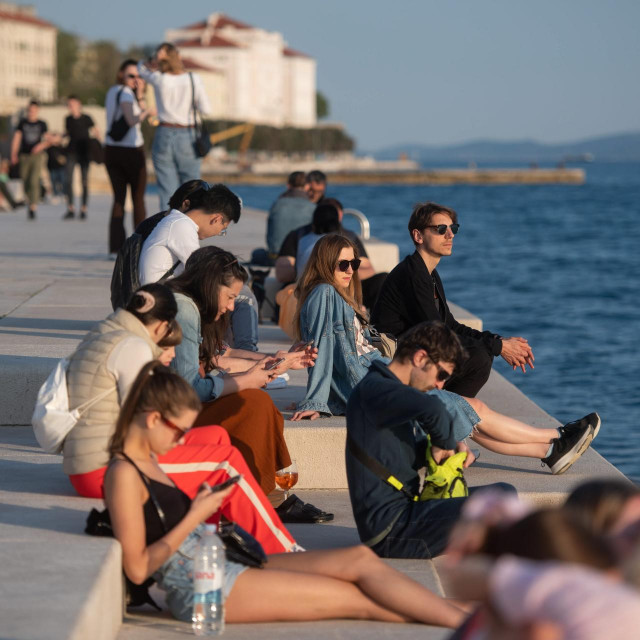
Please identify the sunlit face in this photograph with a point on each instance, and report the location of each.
(168, 431)
(167, 355)
(131, 76)
(75, 107)
(216, 225)
(342, 279)
(427, 374)
(227, 297)
(32, 112)
(429, 241)
(315, 190)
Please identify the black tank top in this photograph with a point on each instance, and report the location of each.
(173, 502)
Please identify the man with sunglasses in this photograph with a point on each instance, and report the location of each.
(413, 293)
(389, 415)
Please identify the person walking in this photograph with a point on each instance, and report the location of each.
(124, 158)
(178, 95)
(79, 128)
(30, 139)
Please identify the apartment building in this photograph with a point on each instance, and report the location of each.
(27, 57)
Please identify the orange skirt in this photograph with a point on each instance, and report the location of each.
(255, 427)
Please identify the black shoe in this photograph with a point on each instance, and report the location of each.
(31, 214)
(592, 419)
(294, 510)
(568, 448)
(83, 215)
(70, 215)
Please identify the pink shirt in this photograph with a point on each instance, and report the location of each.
(586, 604)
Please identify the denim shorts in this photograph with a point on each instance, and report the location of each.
(175, 577)
(463, 414)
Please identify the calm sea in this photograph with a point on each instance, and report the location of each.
(559, 265)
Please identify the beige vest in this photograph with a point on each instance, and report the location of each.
(86, 446)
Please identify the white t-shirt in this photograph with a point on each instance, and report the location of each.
(133, 137)
(125, 362)
(173, 240)
(174, 95)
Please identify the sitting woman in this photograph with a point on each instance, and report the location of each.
(100, 373)
(330, 314)
(342, 583)
(230, 384)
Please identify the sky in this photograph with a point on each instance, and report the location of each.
(429, 71)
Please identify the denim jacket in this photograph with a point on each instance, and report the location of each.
(187, 360)
(329, 321)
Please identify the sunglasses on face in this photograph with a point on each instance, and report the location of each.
(131, 76)
(443, 375)
(343, 265)
(178, 432)
(441, 229)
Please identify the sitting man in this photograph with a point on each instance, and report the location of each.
(291, 210)
(413, 293)
(388, 414)
(315, 185)
(287, 270)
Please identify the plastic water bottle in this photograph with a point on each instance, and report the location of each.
(208, 580)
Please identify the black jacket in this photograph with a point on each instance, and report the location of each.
(389, 419)
(407, 299)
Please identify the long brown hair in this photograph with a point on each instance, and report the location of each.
(206, 270)
(320, 269)
(157, 388)
(173, 63)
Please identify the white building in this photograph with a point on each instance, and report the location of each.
(27, 57)
(266, 81)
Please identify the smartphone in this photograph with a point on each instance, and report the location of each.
(274, 365)
(223, 485)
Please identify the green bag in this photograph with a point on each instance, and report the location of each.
(444, 480)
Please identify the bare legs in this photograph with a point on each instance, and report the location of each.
(345, 583)
(508, 436)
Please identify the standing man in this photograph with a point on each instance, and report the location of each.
(413, 293)
(291, 210)
(388, 418)
(79, 127)
(30, 139)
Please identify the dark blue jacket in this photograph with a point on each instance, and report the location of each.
(389, 419)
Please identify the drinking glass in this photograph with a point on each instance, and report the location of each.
(287, 478)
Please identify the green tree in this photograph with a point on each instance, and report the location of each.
(67, 44)
(322, 105)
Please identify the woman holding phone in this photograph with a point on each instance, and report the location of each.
(317, 585)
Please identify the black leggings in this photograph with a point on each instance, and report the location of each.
(72, 161)
(126, 167)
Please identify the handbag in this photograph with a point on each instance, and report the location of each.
(120, 127)
(385, 343)
(52, 419)
(202, 144)
(444, 480)
(96, 151)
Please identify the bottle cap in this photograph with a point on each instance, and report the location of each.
(211, 528)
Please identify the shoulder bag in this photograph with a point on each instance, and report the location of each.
(385, 343)
(120, 127)
(202, 144)
(52, 419)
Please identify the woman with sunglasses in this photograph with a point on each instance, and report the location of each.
(124, 158)
(349, 583)
(330, 314)
(101, 372)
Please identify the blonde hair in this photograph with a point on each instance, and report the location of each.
(320, 269)
(173, 63)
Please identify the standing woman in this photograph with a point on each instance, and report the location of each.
(79, 128)
(124, 158)
(173, 153)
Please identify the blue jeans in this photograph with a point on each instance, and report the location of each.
(423, 530)
(174, 160)
(244, 321)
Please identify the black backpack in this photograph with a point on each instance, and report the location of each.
(125, 280)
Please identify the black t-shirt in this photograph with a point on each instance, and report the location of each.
(78, 131)
(289, 246)
(32, 133)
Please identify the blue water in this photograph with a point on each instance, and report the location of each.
(557, 264)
